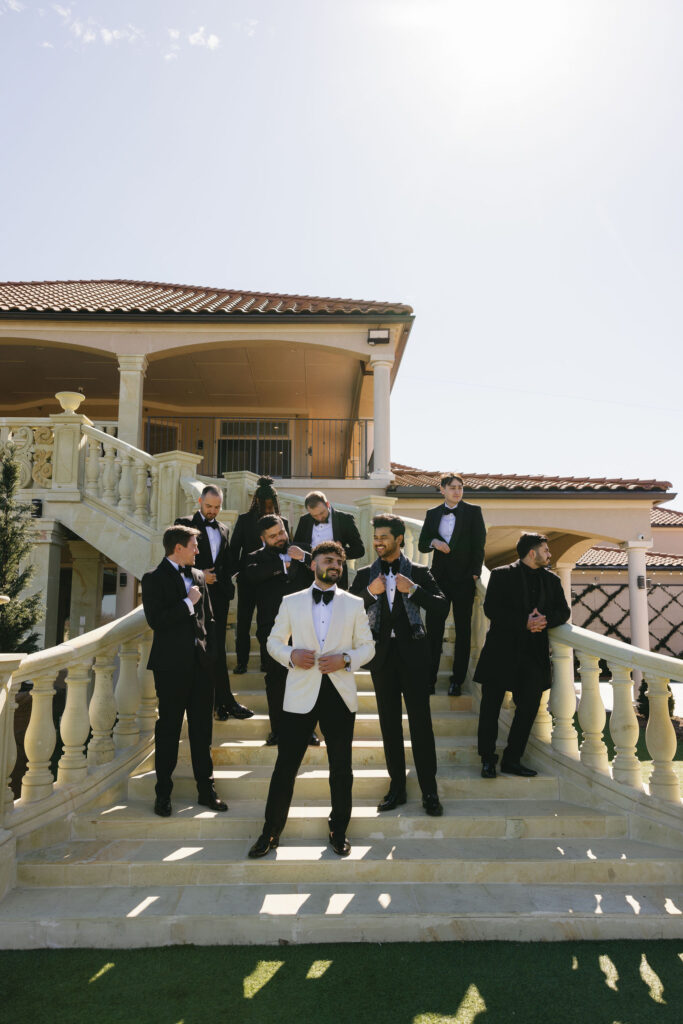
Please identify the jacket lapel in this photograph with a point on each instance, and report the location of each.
(460, 516)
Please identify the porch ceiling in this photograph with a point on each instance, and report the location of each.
(31, 374)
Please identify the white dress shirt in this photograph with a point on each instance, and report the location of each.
(322, 531)
(447, 525)
(322, 613)
(187, 581)
(214, 536)
(286, 561)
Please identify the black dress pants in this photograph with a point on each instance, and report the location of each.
(275, 680)
(336, 725)
(222, 693)
(397, 677)
(527, 698)
(179, 694)
(460, 597)
(246, 603)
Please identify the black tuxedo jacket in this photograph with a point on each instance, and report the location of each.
(204, 560)
(245, 539)
(509, 645)
(265, 573)
(466, 555)
(344, 530)
(176, 632)
(427, 596)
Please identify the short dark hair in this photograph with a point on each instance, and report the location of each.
(212, 489)
(448, 478)
(314, 498)
(178, 535)
(394, 523)
(267, 523)
(528, 541)
(328, 547)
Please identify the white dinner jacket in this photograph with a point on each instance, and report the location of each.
(348, 632)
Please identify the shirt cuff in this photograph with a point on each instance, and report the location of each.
(373, 596)
(412, 590)
(189, 605)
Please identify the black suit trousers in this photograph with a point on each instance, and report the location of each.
(275, 679)
(460, 597)
(527, 698)
(178, 694)
(246, 603)
(336, 725)
(222, 694)
(397, 677)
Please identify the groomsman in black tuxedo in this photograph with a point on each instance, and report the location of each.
(523, 601)
(456, 534)
(215, 562)
(177, 606)
(320, 523)
(245, 539)
(394, 590)
(274, 571)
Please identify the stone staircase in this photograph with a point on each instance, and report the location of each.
(509, 859)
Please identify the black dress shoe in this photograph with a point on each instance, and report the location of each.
(162, 808)
(314, 741)
(272, 739)
(340, 844)
(263, 845)
(212, 800)
(239, 670)
(236, 710)
(391, 800)
(432, 805)
(454, 690)
(221, 713)
(517, 768)
(488, 769)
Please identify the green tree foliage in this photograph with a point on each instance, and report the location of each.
(19, 616)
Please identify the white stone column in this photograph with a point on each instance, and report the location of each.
(48, 537)
(381, 369)
(86, 588)
(125, 591)
(132, 371)
(564, 571)
(637, 598)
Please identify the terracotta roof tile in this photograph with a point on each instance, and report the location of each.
(614, 558)
(666, 517)
(119, 296)
(408, 476)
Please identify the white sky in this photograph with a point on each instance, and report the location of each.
(511, 169)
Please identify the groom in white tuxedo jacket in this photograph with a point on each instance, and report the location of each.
(323, 636)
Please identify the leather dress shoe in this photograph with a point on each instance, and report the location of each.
(314, 741)
(517, 768)
(263, 845)
(239, 670)
(455, 689)
(236, 710)
(340, 844)
(212, 800)
(272, 739)
(391, 800)
(432, 805)
(162, 808)
(221, 713)
(488, 769)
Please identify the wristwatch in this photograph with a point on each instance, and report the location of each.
(347, 661)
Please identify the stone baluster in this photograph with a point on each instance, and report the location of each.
(563, 701)
(542, 729)
(147, 715)
(102, 710)
(478, 628)
(409, 548)
(623, 727)
(39, 741)
(140, 494)
(592, 716)
(92, 467)
(660, 737)
(153, 498)
(109, 474)
(127, 695)
(126, 483)
(75, 724)
(8, 747)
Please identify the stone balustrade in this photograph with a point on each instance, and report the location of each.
(33, 443)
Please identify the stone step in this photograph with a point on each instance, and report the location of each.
(251, 783)
(444, 723)
(164, 861)
(118, 917)
(366, 752)
(475, 817)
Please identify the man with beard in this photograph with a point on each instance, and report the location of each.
(523, 601)
(245, 539)
(394, 590)
(214, 560)
(321, 522)
(274, 571)
(322, 635)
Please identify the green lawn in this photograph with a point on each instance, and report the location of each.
(420, 983)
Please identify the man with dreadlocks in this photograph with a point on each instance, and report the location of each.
(246, 537)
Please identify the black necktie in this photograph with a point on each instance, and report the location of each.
(449, 511)
(394, 566)
(186, 570)
(212, 523)
(322, 595)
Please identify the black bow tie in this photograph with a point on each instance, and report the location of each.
(449, 511)
(186, 570)
(322, 595)
(212, 523)
(394, 567)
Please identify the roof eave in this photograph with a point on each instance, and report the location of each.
(209, 318)
(425, 492)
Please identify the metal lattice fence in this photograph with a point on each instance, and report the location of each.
(603, 607)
